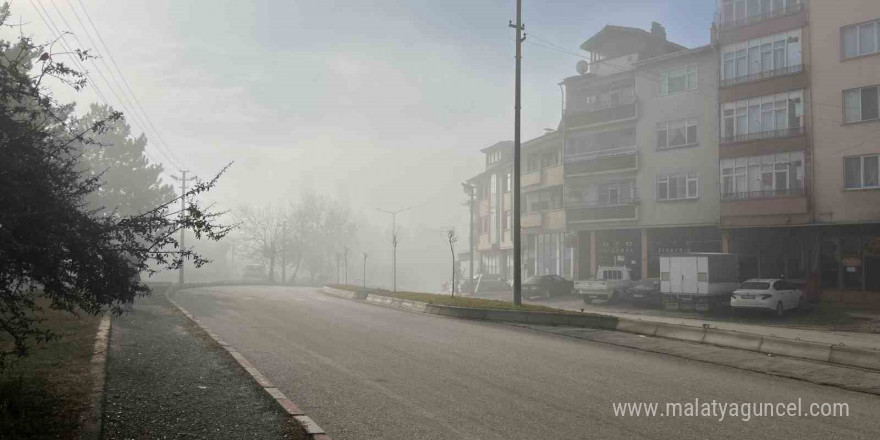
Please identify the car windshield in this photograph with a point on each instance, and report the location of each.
(755, 285)
(534, 280)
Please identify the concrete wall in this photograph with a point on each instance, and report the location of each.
(834, 140)
(701, 158)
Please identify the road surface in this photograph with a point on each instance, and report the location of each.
(367, 372)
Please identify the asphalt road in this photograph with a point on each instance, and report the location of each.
(367, 372)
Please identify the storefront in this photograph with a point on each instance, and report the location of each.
(670, 241)
(549, 254)
(850, 263)
(620, 248)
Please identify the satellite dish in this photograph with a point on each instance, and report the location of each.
(583, 67)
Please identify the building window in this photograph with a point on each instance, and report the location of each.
(610, 98)
(549, 159)
(493, 157)
(508, 183)
(743, 11)
(677, 186)
(544, 200)
(770, 175)
(861, 172)
(533, 162)
(860, 104)
(677, 133)
(860, 39)
(764, 114)
(505, 221)
(679, 80)
(755, 58)
(599, 142)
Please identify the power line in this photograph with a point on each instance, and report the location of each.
(170, 157)
(121, 75)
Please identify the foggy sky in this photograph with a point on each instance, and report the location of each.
(383, 103)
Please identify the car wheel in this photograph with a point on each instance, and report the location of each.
(779, 309)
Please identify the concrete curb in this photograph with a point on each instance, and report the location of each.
(308, 425)
(833, 354)
(92, 425)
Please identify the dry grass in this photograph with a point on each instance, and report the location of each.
(45, 394)
(448, 300)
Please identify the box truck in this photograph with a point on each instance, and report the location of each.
(698, 281)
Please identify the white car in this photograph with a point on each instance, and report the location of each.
(771, 294)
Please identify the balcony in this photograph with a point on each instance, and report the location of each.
(765, 208)
(727, 25)
(623, 110)
(545, 177)
(583, 211)
(776, 73)
(553, 220)
(603, 161)
(769, 134)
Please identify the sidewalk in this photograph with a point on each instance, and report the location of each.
(166, 379)
(869, 341)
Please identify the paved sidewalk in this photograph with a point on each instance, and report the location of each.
(166, 379)
(851, 339)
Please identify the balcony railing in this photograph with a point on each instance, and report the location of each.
(625, 109)
(785, 71)
(766, 194)
(606, 105)
(769, 134)
(727, 25)
(610, 152)
(595, 204)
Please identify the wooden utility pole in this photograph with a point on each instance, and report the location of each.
(183, 180)
(517, 238)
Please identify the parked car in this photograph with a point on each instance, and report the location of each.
(610, 284)
(770, 294)
(547, 286)
(491, 283)
(645, 292)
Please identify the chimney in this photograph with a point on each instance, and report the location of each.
(658, 31)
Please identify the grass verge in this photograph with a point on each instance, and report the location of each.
(46, 394)
(448, 300)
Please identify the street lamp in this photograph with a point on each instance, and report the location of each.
(470, 189)
(394, 244)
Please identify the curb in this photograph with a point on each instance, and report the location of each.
(828, 353)
(312, 430)
(91, 428)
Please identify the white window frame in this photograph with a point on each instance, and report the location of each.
(753, 170)
(857, 92)
(688, 122)
(857, 29)
(862, 161)
(667, 179)
(789, 43)
(735, 111)
(691, 80)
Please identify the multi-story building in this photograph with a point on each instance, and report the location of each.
(798, 154)
(639, 161)
(492, 221)
(845, 78)
(766, 133)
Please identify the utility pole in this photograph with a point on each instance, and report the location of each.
(394, 244)
(365, 271)
(183, 179)
(470, 189)
(283, 252)
(517, 238)
(345, 264)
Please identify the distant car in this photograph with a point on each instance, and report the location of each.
(547, 286)
(770, 294)
(645, 292)
(254, 272)
(491, 283)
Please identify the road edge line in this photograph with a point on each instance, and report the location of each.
(93, 422)
(311, 429)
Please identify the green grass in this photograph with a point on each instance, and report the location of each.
(45, 394)
(448, 300)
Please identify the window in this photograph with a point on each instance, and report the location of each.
(549, 159)
(505, 221)
(533, 162)
(679, 80)
(611, 98)
(677, 133)
(596, 142)
(764, 114)
(737, 11)
(493, 156)
(861, 172)
(543, 200)
(763, 176)
(761, 55)
(508, 182)
(860, 104)
(860, 39)
(677, 186)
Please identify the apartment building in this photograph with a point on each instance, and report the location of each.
(640, 160)
(493, 245)
(845, 78)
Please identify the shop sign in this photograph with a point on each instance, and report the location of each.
(851, 261)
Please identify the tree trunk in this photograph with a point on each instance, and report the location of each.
(452, 251)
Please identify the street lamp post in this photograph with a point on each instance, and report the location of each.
(394, 244)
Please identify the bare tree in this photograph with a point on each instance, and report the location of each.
(452, 237)
(262, 231)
